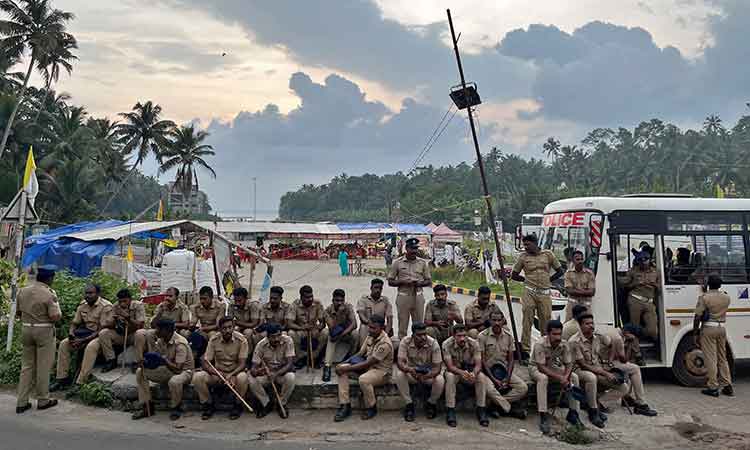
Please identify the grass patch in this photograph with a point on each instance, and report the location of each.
(472, 280)
(575, 435)
(96, 394)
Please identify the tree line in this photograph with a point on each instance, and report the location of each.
(88, 167)
(655, 156)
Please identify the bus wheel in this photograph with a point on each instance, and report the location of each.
(688, 366)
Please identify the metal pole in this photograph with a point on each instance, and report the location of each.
(255, 199)
(487, 197)
(17, 270)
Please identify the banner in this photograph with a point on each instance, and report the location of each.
(222, 254)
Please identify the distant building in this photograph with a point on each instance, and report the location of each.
(196, 205)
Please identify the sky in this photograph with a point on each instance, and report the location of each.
(297, 92)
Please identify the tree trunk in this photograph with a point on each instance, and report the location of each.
(43, 106)
(21, 96)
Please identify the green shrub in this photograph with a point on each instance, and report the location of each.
(96, 394)
(10, 362)
(575, 435)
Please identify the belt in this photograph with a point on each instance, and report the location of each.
(38, 325)
(579, 301)
(713, 324)
(641, 298)
(539, 291)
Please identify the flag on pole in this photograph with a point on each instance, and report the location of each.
(160, 213)
(30, 182)
(130, 257)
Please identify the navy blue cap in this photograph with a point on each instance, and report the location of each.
(273, 328)
(48, 269)
(412, 242)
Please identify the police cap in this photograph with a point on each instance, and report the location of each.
(412, 243)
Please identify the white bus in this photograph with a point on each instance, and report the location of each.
(691, 237)
(531, 224)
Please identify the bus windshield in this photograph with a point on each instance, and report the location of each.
(563, 233)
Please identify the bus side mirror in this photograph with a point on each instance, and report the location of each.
(596, 228)
(518, 238)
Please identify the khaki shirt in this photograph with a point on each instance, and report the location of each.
(459, 356)
(473, 312)
(36, 303)
(227, 355)
(136, 313)
(570, 328)
(496, 347)
(249, 313)
(404, 270)
(93, 317)
(367, 307)
(536, 268)
(380, 348)
(344, 316)
(435, 313)
(279, 316)
(275, 358)
(206, 316)
(411, 355)
(583, 280)
(558, 358)
(179, 314)
(716, 303)
(307, 315)
(637, 279)
(176, 350)
(589, 351)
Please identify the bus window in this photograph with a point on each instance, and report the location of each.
(625, 243)
(564, 241)
(700, 255)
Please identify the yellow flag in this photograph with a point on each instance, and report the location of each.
(160, 213)
(130, 257)
(719, 192)
(30, 182)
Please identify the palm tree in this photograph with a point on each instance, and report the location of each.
(68, 136)
(107, 152)
(71, 192)
(187, 152)
(30, 25)
(50, 64)
(9, 81)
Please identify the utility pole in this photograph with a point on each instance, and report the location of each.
(17, 269)
(487, 197)
(255, 199)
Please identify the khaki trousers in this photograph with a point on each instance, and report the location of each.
(285, 384)
(101, 344)
(403, 381)
(320, 335)
(643, 314)
(347, 341)
(633, 378)
(162, 375)
(367, 383)
(108, 338)
(591, 384)
(518, 390)
(480, 389)
(542, 392)
(532, 304)
(408, 306)
(64, 356)
(140, 340)
(36, 363)
(202, 381)
(714, 347)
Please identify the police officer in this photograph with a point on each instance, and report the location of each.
(275, 311)
(477, 313)
(536, 265)
(441, 314)
(711, 336)
(39, 310)
(207, 312)
(173, 309)
(580, 284)
(463, 364)
(342, 323)
(246, 314)
(643, 281)
(275, 352)
(409, 274)
(307, 323)
(420, 363)
(375, 304)
(91, 316)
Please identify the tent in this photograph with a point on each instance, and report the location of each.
(444, 234)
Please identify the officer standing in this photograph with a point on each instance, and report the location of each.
(441, 314)
(39, 310)
(536, 265)
(420, 363)
(342, 323)
(711, 336)
(409, 274)
(307, 324)
(375, 304)
(580, 284)
(643, 280)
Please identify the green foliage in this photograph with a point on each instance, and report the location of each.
(10, 362)
(575, 435)
(96, 394)
(472, 280)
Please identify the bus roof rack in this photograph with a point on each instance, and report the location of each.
(657, 195)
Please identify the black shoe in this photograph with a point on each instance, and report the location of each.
(236, 412)
(430, 410)
(710, 392)
(628, 402)
(283, 411)
(343, 413)
(545, 425)
(450, 417)
(595, 419)
(50, 404)
(23, 409)
(573, 418)
(409, 412)
(73, 391)
(518, 410)
(494, 412)
(326, 374)
(369, 413)
(263, 411)
(728, 390)
(300, 364)
(176, 413)
(644, 410)
(484, 421)
(60, 384)
(604, 409)
(603, 416)
(208, 411)
(109, 366)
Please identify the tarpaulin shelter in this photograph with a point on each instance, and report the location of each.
(443, 233)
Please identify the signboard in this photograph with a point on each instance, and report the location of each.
(567, 219)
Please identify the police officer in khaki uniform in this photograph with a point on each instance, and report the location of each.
(463, 364)
(168, 360)
(275, 352)
(551, 362)
(246, 315)
(342, 323)
(477, 313)
(275, 311)
(711, 336)
(128, 316)
(420, 363)
(536, 265)
(643, 280)
(497, 348)
(307, 323)
(571, 327)
(372, 367)
(39, 310)
(375, 304)
(173, 309)
(207, 313)
(580, 284)
(92, 315)
(409, 274)
(228, 352)
(441, 314)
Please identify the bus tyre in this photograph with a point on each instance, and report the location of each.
(688, 366)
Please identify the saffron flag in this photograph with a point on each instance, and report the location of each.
(160, 213)
(30, 182)
(130, 257)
